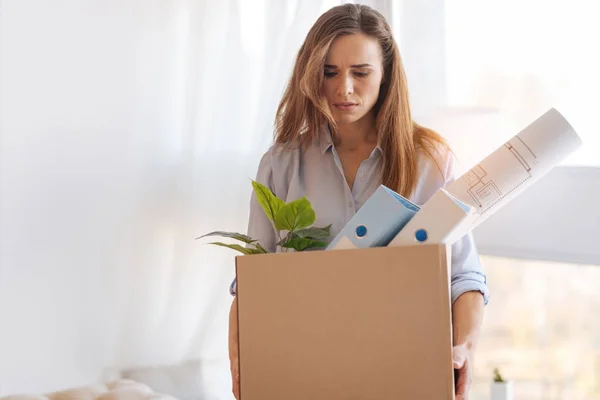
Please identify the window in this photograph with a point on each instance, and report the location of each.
(541, 329)
(522, 57)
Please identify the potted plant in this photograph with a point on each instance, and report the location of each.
(501, 389)
(292, 221)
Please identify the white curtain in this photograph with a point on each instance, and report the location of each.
(129, 127)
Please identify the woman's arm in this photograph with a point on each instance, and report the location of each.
(234, 349)
(467, 316)
(469, 296)
(259, 228)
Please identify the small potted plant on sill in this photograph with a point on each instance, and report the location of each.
(295, 219)
(501, 389)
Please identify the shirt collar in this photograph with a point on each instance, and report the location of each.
(325, 140)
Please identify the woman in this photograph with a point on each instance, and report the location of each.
(344, 127)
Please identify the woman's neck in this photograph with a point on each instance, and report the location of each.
(357, 134)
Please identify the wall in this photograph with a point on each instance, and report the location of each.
(557, 218)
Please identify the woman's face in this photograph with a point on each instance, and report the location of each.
(353, 76)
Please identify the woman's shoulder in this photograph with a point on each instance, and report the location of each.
(436, 169)
(279, 157)
(277, 168)
(437, 160)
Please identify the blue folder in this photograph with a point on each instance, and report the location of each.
(377, 222)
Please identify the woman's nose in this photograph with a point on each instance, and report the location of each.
(346, 87)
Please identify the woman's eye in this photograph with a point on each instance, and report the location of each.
(329, 74)
(361, 74)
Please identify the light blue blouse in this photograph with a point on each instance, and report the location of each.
(316, 172)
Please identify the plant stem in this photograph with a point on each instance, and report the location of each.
(283, 249)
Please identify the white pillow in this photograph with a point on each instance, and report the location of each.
(182, 381)
(121, 389)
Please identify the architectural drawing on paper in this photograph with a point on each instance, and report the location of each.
(522, 153)
(484, 190)
(481, 187)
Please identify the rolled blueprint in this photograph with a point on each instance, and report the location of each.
(516, 165)
(492, 183)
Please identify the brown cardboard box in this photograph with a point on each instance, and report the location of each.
(365, 324)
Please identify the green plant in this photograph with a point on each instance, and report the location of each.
(497, 376)
(295, 218)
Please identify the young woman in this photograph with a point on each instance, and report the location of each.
(344, 127)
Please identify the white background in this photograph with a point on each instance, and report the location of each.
(130, 127)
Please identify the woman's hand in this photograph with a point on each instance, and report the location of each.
(234, 359)
(235, 377)
(461, 361)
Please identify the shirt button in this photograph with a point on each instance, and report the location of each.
(361, 175)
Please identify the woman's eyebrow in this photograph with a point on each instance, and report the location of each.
(352, 66)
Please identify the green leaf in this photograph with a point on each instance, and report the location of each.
(241, 249)
(298, 244)
(295, 215)
(317, 244)
(270, 204)
(314, 233)
(260, 249)
(232, 235)
(308, 233)
(497, 376)
(289, 236)
(301, 244)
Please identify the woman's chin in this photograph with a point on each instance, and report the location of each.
(346, 119)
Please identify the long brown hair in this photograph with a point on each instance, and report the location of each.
(303, 110)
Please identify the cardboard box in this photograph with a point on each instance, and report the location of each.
(358, 324)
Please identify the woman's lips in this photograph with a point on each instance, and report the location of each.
(345, 106)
